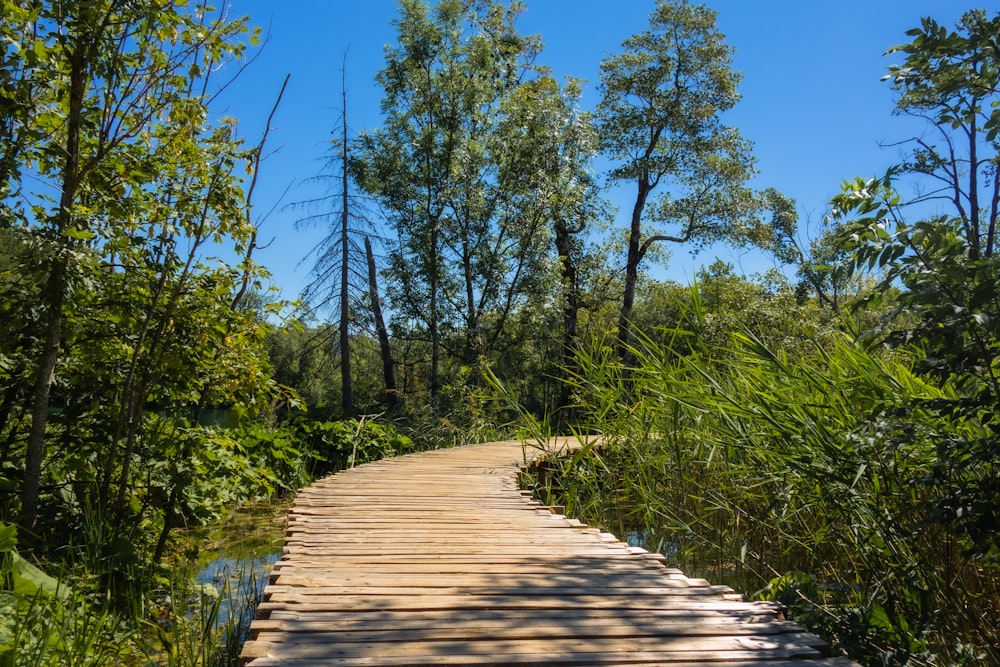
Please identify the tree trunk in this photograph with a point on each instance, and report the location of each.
(34, 450)
(55, 293)
(346, 394)
(571, 307)
(388, 372)
(433, 322)
(168, 523)
(6, 414)
(634, 257)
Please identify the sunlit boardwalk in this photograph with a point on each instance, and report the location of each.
(438, 558)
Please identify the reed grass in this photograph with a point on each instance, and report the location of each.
(206, 624)
(804, 479)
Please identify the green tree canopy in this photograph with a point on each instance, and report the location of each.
(660, 122)
(468, 247)
(936, 252)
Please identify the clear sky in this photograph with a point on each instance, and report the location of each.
(813, 103)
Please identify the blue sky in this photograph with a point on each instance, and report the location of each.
(813, 103)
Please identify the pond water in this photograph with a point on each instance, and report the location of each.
(240, 581)
(230, 560)
(643, 537)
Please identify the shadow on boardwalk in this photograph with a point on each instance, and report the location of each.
(438, 558)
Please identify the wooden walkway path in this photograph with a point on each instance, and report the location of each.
(438, 558)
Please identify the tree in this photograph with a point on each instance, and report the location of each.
(339, 269)
(464, 252)
(938, 265)
(382, 332)
(112, 114)
(952, 80)
(549, 147)
(407, 165)
(659, 119)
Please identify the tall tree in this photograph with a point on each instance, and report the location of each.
(339, 269)
(464, 253)
(659, 119)
(407, 165)
(549, 148)
(117, 126)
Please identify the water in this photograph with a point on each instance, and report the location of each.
(645, 538)
(229, 563)
(239, 580)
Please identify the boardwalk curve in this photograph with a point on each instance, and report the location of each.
(437, 558)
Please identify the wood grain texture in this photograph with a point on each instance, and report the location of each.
(438, 558)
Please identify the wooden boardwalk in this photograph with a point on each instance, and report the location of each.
(438, 558)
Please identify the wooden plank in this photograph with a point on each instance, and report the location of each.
(463, 603)
(458, 565)
(692, 617)
(315, 645)
(502, 630)
(579, 594)
(444, 536)
(532, 654)
(583, 563)
(541, 582)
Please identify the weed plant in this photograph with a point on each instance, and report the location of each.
(50, 622)
(812, 480)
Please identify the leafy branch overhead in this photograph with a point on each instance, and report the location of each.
(952, 80)
(118, 178)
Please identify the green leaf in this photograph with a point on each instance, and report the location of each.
(8, 537)
(8, 618)
(78, 234)
(29, 581)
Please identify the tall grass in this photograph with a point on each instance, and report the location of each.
(47, 621)
(805, 478)
(207, 623)
(185, 621)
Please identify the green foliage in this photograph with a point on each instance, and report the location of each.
(721, 302)
(202, 625)
(469, 230)
(662, 97)
(939, 273)
(202, 473)
(305, 364)
(345, 444)
(809, 475)
(952, 80)
(119, 330)
(952, 323)
(47, 622)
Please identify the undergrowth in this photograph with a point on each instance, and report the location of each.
(814, 480)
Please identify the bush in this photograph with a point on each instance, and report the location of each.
(344, 444)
